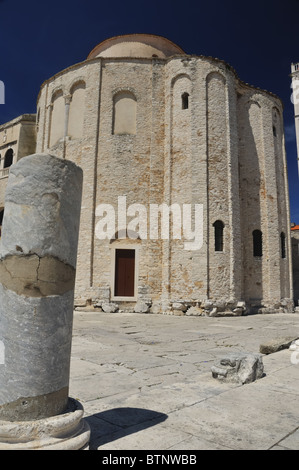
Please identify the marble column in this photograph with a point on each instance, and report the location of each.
(38, 253)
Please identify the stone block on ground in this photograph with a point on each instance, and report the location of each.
(179, 306)
(194, 311)
(142, 306)
(109, 307)
(240, 368)
(294, 345)
(276, 344)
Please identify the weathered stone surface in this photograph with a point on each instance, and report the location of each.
(241, 304)
(89, 308)
(160, 164)
(34, 276)
(42, 204)
(222, 308)
(276, 344)
(268, 310)
(67, 431)
(37, 271)
(213, 312)
(142, 307)
(179, 306)
(178, 313)
(238, 311)
(294, 345)
(224, 313)
(239, 367)
(109, 307)
(196, 311)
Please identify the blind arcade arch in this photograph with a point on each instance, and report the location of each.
(124, 113)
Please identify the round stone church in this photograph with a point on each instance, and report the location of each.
(185, 197)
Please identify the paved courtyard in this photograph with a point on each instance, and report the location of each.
(145, 382)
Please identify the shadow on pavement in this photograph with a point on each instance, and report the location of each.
(109, 425)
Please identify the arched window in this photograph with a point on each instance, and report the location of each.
(185, 100)
(257, 238)
(283, 245)
(218, 235)
(8, 159)
(124, 113)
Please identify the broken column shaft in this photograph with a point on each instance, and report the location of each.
(38, 254)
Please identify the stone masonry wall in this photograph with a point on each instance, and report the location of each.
(219, 151)
(295, 257)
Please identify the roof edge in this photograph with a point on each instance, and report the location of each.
(167, 59)
(23, 117)
(124, 36)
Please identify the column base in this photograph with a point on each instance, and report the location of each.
(67, 431)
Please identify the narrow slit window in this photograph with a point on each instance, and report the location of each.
(218, 235)
(185, 100)
(257, 243)
(283, 245)
(274, 131)
(1, 220)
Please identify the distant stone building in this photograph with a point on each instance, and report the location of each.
(152, 125)
(17, 139)
(295, 228)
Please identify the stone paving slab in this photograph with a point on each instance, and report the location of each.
(145, 382)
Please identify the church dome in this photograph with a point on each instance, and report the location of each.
(136, 45)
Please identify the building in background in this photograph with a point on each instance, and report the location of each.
(17, 139)
(295, 100)
(151, 125)
(294, 227)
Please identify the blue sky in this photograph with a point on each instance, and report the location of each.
(259, 39)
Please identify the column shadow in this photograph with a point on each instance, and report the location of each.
(109, 425)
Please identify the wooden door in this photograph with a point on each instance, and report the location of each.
(124, 273)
